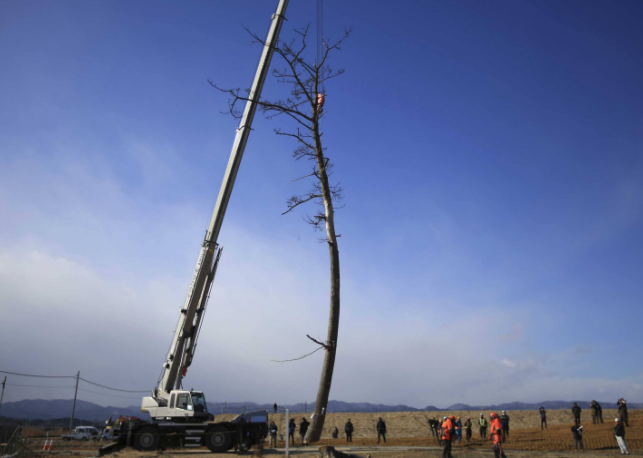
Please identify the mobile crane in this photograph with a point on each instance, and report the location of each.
(178, 415)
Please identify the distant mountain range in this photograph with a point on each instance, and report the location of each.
(38, 409)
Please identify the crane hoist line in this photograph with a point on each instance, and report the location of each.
(182, 415)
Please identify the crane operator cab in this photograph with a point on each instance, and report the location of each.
(182, 405)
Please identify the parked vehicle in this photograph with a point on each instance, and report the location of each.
(82, 433)
(111, 434)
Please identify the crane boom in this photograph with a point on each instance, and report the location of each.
(184, 342)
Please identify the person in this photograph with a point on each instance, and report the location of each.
(599, 412)
(348, 429)
(482, 421)
(381, 430)
(448, 430)
(577, 431)
(496, 435)
(467, 428)
(619, 433)
(504, 421)
(622, 412)
(431, 426)
(335, 432)
(543, 418)
(292, 427)
(594, 411)
(576, 411)
(272, 429)
(274, 408)
(440, 431)
(303, 427)
(458, 430)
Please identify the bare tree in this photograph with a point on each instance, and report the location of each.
(307, 89)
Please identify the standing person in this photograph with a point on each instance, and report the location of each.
(274, 408)
(482, 421)
(292, 427)
(448, 433)
(622, 412)
(594, 411)
(577, 431)
(440, 430)
(467, 428)
(335, 432)
(599, 412)
(504, 421)
(303, 427)
(272, 429)
(381, 430)
(458, 430)
(543, 418)
(348, 429)
(431, 426)
(619, 433)
(496, 435)
(576, 411)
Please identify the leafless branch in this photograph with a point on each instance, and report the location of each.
(326, 346)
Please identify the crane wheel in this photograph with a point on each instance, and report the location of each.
(147, 439)
(218, 439)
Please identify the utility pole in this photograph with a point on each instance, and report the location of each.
(4, 382)
(73, 409)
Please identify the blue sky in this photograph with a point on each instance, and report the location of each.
(491, 155)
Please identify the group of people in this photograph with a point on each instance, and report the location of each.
(447, 432)
(451, 428)
(292, 429)
(436, 428)
(597, 417)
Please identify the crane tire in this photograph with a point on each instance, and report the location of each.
(218, 439)
(147, 439)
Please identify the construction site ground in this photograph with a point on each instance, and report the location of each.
(409, 435)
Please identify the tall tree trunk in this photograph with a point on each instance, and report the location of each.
(321, 403)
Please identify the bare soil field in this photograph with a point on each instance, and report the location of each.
(409, 436)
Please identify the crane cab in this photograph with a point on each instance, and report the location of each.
(179, 405)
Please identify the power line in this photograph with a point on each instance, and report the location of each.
(108, 394)
(38, 376)
(113, 389)
(73, 377)
(39, 386)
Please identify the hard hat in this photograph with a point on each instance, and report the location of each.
(503, 411)
(616, 419)
(482, 415)
(452, 417)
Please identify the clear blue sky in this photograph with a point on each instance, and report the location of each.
(491, 155)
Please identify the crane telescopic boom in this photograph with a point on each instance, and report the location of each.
(184, 342)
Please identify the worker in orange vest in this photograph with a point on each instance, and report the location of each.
(496, 435)
(448, 436)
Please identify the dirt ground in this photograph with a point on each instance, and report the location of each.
(409, 436)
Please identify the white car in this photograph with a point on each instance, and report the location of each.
(82, 433)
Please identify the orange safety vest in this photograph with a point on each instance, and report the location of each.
(446, 430)
(496, 430)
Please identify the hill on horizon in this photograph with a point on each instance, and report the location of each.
(39, 409)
